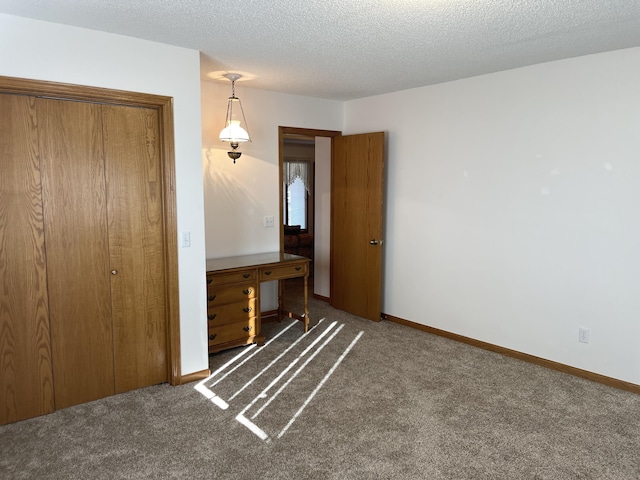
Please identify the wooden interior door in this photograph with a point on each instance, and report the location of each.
(26, 380)
(357, 198)
(135, 213)
(75, 220)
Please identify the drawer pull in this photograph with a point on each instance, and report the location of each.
(247, 291)
(211, 298)
(209, 280)
(247, 328)
(246, 275)
(247, 309)
(212, 316)
(213, 337)
(268, 272)
(298, 269)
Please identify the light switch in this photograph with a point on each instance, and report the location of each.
(186, 239)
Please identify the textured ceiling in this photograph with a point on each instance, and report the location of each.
(345, 49)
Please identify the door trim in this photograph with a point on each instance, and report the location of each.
(308, 132)
(164, 106)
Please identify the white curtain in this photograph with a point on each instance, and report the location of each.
(296, 168)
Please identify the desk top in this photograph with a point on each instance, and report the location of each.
(256, 260)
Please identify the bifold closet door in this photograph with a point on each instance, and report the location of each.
(26, 383)
(83, 309)
(136, 245)
(77, 249)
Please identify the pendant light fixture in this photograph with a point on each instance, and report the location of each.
(233, 131)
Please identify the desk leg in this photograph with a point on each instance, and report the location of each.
(280, 299)
(306, 303)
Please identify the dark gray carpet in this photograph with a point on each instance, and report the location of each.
(400, 404)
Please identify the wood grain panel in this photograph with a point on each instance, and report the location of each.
(194, 377)
(241, 331)
(288, 271)
(230, 294)
(357, 195)
(234, 277)
(164, 107)
(26, 383)
(135, 212)
(26, 86)
(77, 250)
(231, 312)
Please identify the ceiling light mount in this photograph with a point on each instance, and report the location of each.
(232, 77)
(233, 131)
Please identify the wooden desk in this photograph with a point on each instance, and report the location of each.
(233, 295)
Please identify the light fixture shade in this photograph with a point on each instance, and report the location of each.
(234, 133)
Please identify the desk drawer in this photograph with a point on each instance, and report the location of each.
(233, 331)
(287, 271)
(230, 294)
(234, 277)
(231, 312)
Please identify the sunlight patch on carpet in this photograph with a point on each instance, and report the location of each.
(268, 369)
(273, 362)
(324, 380)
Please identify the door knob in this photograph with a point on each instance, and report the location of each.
(114, 272)
(373, 242)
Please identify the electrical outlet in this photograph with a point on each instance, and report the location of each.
(584, 335)
(268, 221)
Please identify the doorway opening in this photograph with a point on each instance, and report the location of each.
(305, 205)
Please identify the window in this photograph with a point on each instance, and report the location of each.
(298, 187)
(297, 204)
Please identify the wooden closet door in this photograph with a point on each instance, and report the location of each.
(26, 383)
(135, 212)
(75, 220)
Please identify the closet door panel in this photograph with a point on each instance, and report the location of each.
(26, 383)
(135, 212)
(75, 222)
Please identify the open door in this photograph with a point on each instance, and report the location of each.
(357, 200)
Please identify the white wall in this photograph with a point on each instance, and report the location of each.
(47, 51)
(512, 205)
(237, 197)
(322, 239)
